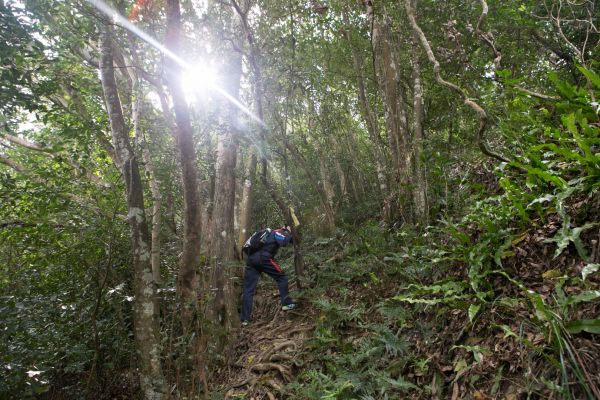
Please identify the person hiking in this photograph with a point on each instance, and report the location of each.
(261, 248)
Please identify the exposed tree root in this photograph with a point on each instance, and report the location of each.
(266, 354)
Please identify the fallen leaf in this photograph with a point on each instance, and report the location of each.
(479, 395)
(455, 391)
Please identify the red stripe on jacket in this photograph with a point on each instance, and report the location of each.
(277, 267)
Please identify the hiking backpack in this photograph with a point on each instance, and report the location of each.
(256, 241)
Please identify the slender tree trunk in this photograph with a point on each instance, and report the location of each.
(341, 173)
(136, 115)
(146, 331)
(223, 236)
(242, 7)
(351, 147)
(419, 184)
(189, 261)
(137, 111)
(323, 186)
(372, 127)
(326, 181)
(388, 79)
(246, 200)
(327, 209)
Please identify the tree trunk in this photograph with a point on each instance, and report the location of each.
(146, 331)
(372, 126)
(388, 79)
(419, 184)
(190, 258)
(224, 307)
(327, 209)
(136, 114)
(326, 181)
(341, 173)
(481, 114)
(256, 78)
(246, 200)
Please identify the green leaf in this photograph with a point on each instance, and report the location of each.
(473, 310)
(443, 300)
(583, 297)
(591, 75)
(589, 269)
(566, 235)
(587, 325)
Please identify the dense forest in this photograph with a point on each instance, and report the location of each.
(437, 162)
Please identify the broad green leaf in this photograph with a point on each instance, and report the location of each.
(589, 269)
(583, 297)
(591, 75)
(478, 351)
(460, 365)
(473, 310)
(587, 325)
(541, 310)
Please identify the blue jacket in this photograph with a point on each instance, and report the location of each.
(277, 238)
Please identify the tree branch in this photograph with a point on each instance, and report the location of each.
(487, 37)
(53, 153)
(461, 92)
(4, 159)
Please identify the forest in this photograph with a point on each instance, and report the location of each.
(436, 162)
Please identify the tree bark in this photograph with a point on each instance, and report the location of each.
(419, 184)
(136, 111)
(190, 258)
(388, 79)
(223, 257)
(371, 122)
(242, 8)
(146, 330)
(246, 200)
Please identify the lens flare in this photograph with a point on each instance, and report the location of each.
(198, 80)
(125, 23)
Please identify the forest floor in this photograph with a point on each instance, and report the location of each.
(368, 326)
(266, 352)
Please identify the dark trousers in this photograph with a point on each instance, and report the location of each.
(251, 277)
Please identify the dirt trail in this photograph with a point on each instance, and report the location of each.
(267, 352)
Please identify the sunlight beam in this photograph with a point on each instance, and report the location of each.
(125, 23)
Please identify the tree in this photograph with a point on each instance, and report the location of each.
(190, 258)
(145, 313)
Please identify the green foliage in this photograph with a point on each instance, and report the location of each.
(454, 268)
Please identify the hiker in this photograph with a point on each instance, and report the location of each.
(261, 248)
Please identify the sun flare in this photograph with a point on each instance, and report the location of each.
(198, 79)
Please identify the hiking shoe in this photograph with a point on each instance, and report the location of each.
(245, 323)
(288, 307)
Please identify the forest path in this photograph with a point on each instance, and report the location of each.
(266, 353)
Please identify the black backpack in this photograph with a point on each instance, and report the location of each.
(256, 241)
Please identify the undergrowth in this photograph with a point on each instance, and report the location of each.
(502, 301)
